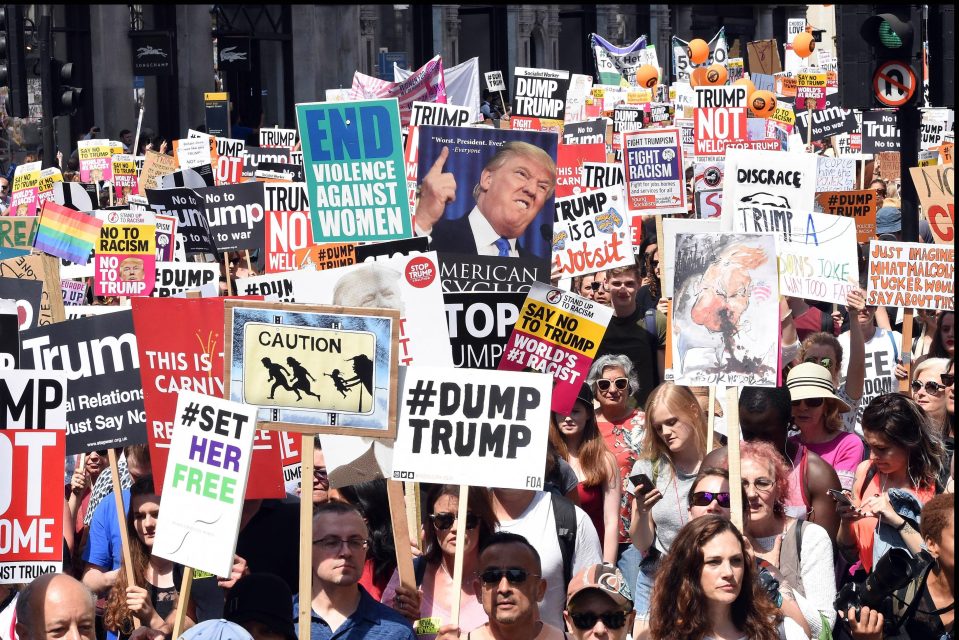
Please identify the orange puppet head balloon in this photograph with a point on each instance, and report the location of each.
(716, 74)
(803, 44)
(698, 51)
(698, 77)
(647, 76)
(762, 103)
(746, 82)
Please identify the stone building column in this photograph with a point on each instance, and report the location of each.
(111, 52)
(331, 30)
(194, 42)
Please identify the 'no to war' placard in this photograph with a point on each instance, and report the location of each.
(912, 275)
(470, 426)
(205, 482)
(355, 172)
(31, 504)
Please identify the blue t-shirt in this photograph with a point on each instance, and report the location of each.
(103, 544)
(370, 621)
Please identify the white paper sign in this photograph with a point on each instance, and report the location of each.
(911, 275)
(591, 232)
(494, 81)
(472, 426)
(769, 179)
(205, 482)
(33, 399)
(835, 174)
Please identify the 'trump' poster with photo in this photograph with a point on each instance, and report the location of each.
(475, 427)
(124, 259)
(653, 168)
(203, 492)
(355, 172)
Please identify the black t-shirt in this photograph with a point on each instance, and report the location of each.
(645, 300)
(923, 623)
(628, 336)
(270, 541)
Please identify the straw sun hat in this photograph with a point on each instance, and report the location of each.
(812, 380)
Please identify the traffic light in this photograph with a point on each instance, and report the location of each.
(13, 66)
(66, 97)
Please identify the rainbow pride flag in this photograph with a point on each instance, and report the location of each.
(66, 233)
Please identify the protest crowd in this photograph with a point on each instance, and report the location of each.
(624, 356)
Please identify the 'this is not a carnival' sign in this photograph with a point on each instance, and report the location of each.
(475, 427)
(355, 172)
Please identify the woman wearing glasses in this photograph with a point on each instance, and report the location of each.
(709, 494)
(906, 458)
(929, 392)
(434, 570)
(816, 414)
(576, 438)
(707, 589)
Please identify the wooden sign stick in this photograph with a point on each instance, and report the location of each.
(458, 559)
(229, 290)
(249, 263)
(906, 350)
(809, 129)
(306, 536)
(401, 534)
(122, 520)
(710, 418)
(413, 517)
(183, 599)
(732, 452)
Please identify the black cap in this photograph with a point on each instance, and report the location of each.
(585, 395)
(263, 598)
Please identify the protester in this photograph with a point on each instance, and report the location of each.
(598, 605)
(930, 393)
(905, 460)
(55, 606)
(810, 319)
(651, 292)
(601, 291)
(815, 413)
(340, 606)
(709, 493)
(949, 380)
(510, 580)
(260, 603)
(576, 437)
(81, 486)
(371, 501)
(538, 517)
(672, 452)
(321, 480)
(938, 336)
(707, 588)
(826, 350)
(152, 598)
(434, 570)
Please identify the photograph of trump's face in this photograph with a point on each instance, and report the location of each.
(514, 186)
(131, 270)
(371, 285)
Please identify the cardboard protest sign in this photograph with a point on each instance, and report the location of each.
(494, 81)
(480, 325)
(27, 296)
(460, 273)
(9, 334)
(175, 278)
(426, 84)
(25, 189)
(936, 188)
(880, 132)
(858, 205)
(44, 269)
(190, 211)
(287, 225)
(66, 233)
(99, 356)
(326, 256)
(726, 296)
(355, 183)
(334, 368)
(591, 232)
(185, 357)
(720, 118)
(31, 515)
(591, 132)
(409, 284)
(671, 227)
(276, 137)
(601, 175)
(16, 235)
(718, 54)
(472, 151)
(817, 253)
(95, 160)
(830, 120)
(769, 179)
(33, 400)
(235, 214)
(911, 275)
(124, 261)
(473, 427)
(559, 333)
(763, 57)
(569, 166)
(155, 165)
(835, 174)
(539, 95)
(253, 157)
(444, 115)
(210, 456)
(653, 168)
(617, 64)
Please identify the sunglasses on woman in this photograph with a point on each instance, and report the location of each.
(705, 498)
(514, 575)
(810, 402)
(586, 620)
(603, 384)
(931, 387)
(948, 379)
(444, 520)
(824, 361)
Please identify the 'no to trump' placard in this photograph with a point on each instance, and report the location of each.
(31, 504)
(205, 482)
(469, 426)
(912, 275)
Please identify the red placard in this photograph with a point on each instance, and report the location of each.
(188, 355)
(569, 165)
(31, 503)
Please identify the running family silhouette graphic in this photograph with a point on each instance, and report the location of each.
(302, 379)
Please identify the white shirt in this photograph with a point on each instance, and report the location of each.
(882, 350)
(485, 236)
(538, 525)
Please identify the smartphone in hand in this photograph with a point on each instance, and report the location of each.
(641, 483)
(840, 497)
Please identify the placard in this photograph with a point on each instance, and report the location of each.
(911, 275)
(559, 333)
(671, 227)
(591, 232)
(480, 325)
(653, 168)
(719, 118)
(571, 158)
(443, 115)
(282, 138)
(880, 132)
(494, 81)
(25, 189)
(176, 278)
(859, 205)
(473, 427)
(234, 214)
(210, 454)
(31, 399)
(769, 179)
(461, 273)
(830, 120)
(124, 261)
(46, 270)
(811, 90)
(26, 296)
(591, 132)
(16, 235)
(600, 175)
(835, 174)
(190, 211)
(936, 188)
(288, 227)
(538, 94)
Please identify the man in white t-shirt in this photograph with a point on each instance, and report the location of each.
(883, 352)
(530, 514)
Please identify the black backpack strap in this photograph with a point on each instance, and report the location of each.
(419, 569)
(870, 474)
(564, 513)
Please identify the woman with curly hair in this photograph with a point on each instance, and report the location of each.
(906, 457)
(577, 440)
(707, 589)
(153, 597)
